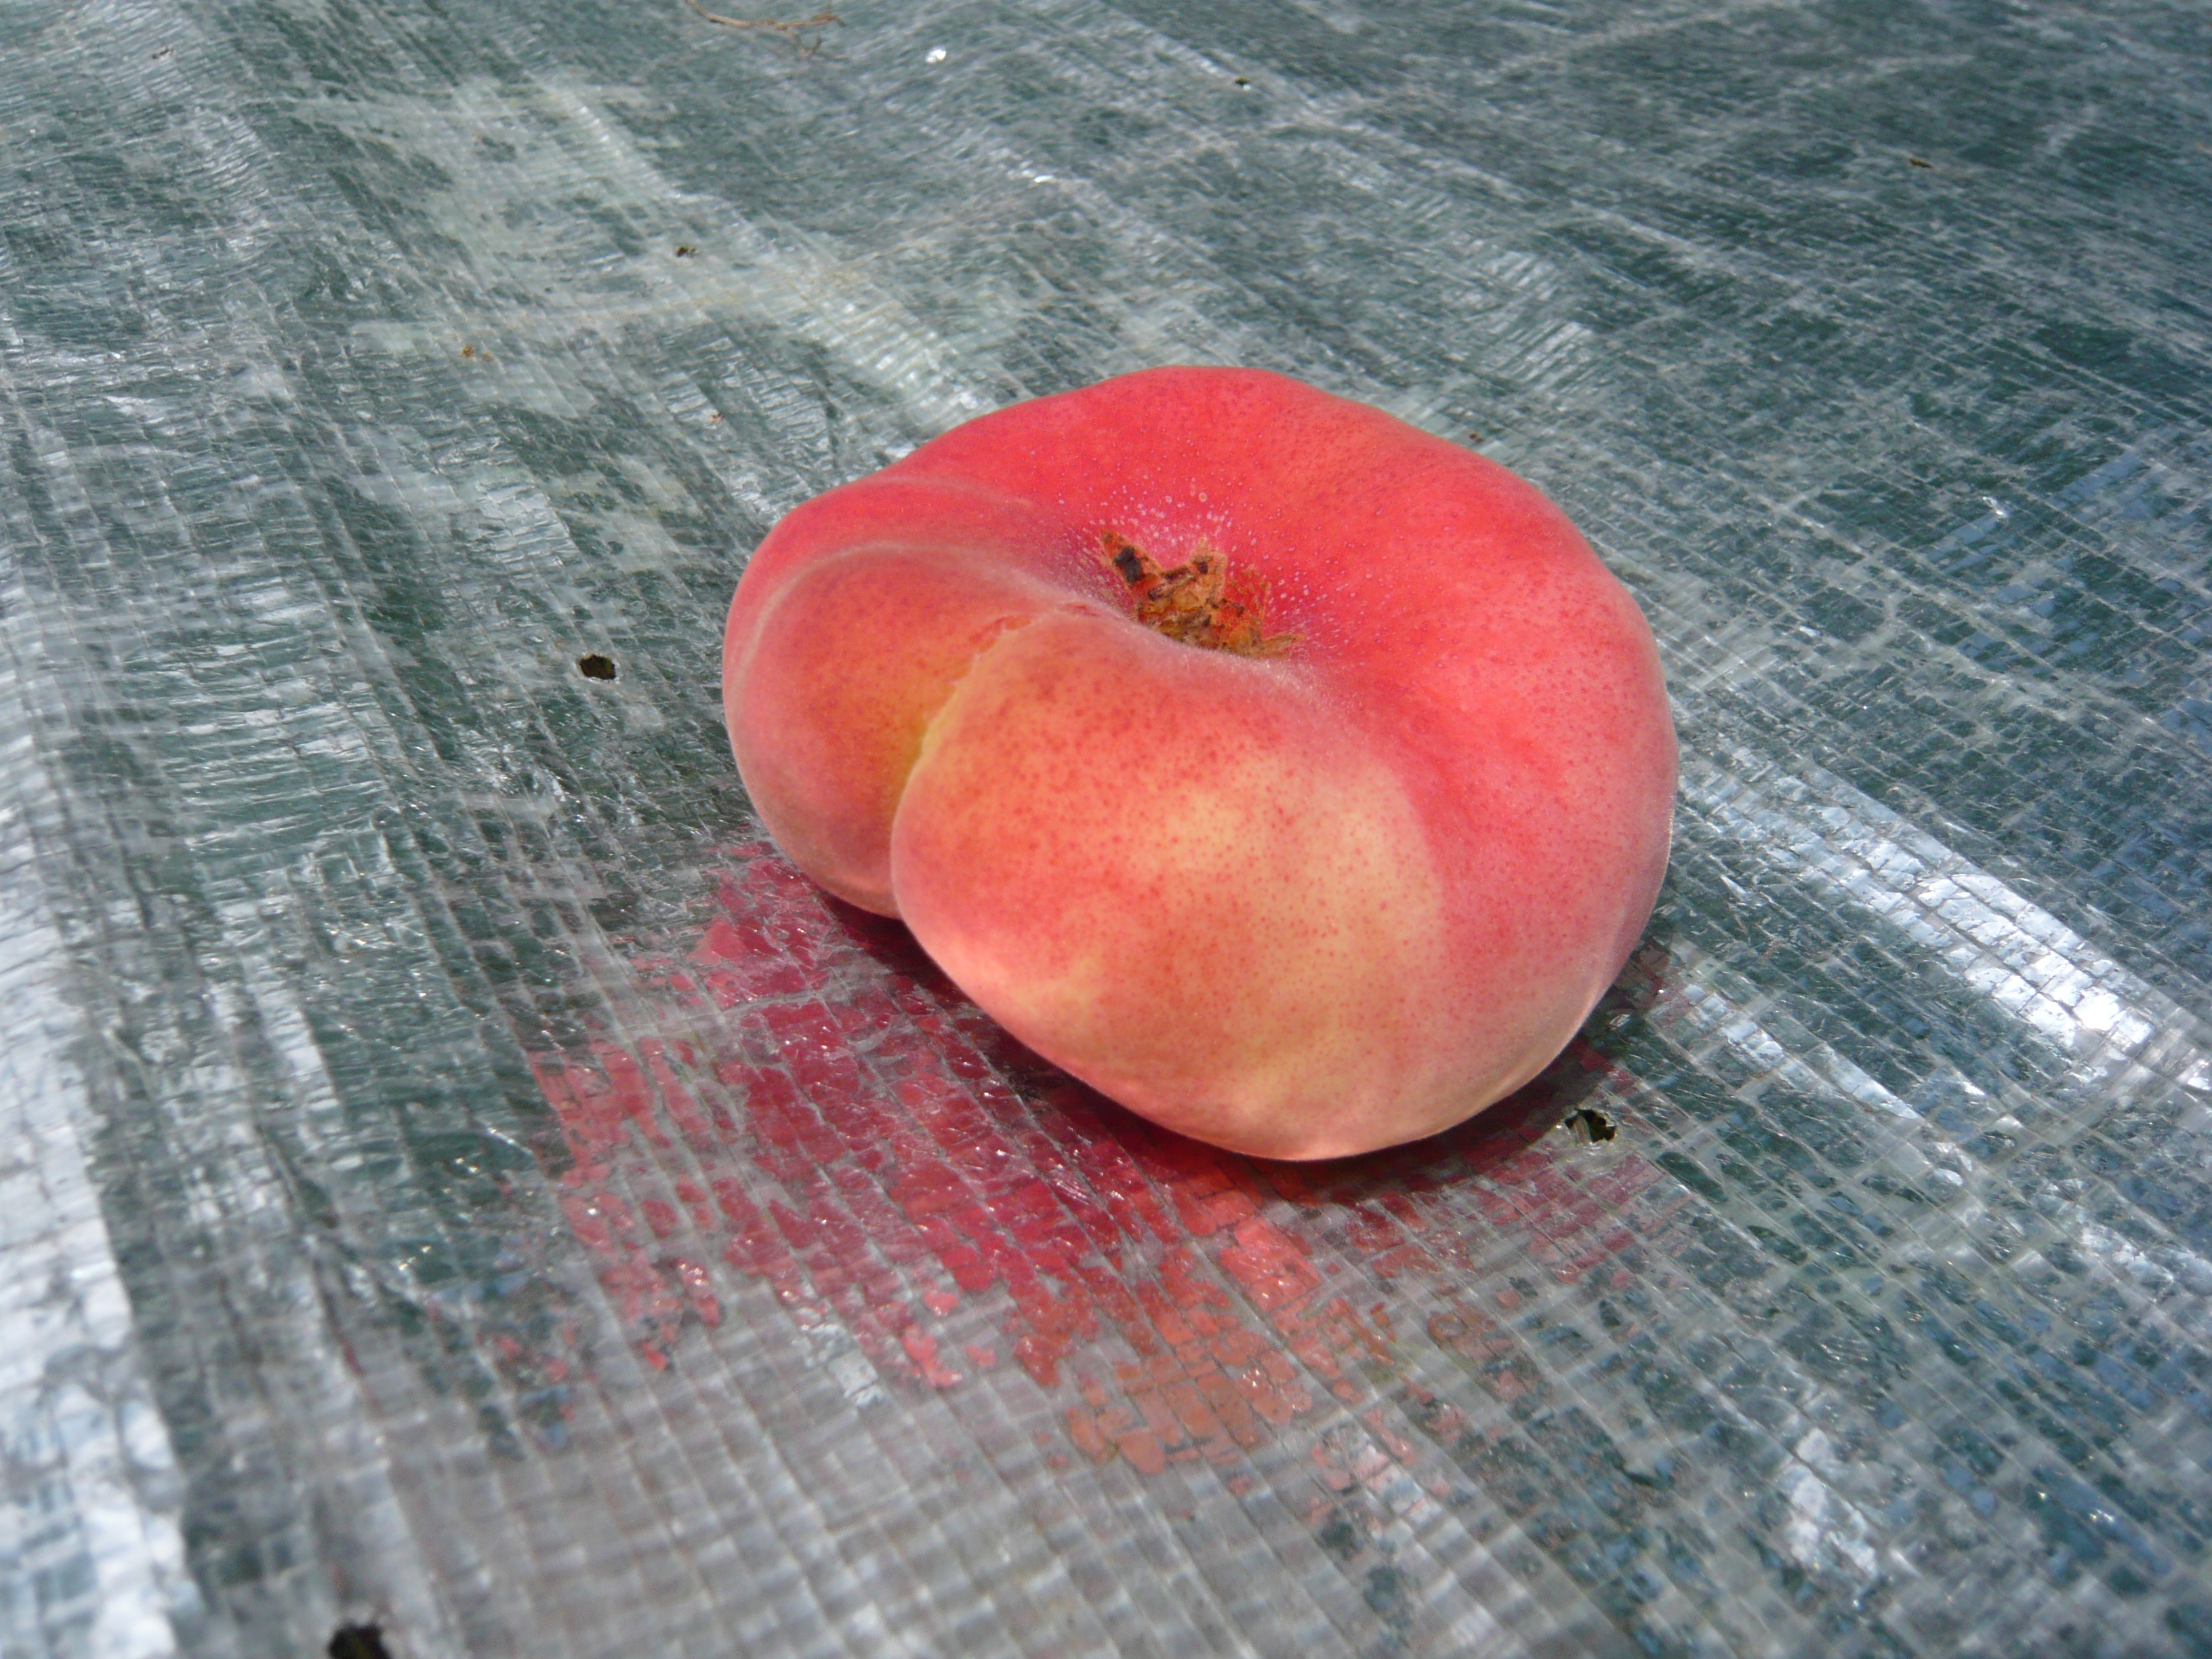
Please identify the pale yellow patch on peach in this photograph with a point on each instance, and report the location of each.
(828, 701)
(1183, 879)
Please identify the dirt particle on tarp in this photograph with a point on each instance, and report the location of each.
(357, 1642)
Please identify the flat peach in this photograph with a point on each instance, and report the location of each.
(1295, 778)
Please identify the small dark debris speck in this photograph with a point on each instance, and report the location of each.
(1386, 1591)
(596, 666)
(358, 1642)
(1590, 1126)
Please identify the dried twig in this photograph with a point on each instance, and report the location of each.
(821, 19)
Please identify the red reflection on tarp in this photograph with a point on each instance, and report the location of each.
(818, 1108)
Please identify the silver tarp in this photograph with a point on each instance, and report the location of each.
(456, 1180)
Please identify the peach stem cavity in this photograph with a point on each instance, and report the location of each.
(1195, 603)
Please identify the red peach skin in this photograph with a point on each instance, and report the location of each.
(1299, 906)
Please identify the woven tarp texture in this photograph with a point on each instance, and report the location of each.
(462, 1192)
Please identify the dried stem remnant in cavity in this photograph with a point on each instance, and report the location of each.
(1194, 603)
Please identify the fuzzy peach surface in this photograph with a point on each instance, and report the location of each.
(1300, 905)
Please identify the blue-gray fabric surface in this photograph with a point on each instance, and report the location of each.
(367, 364)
